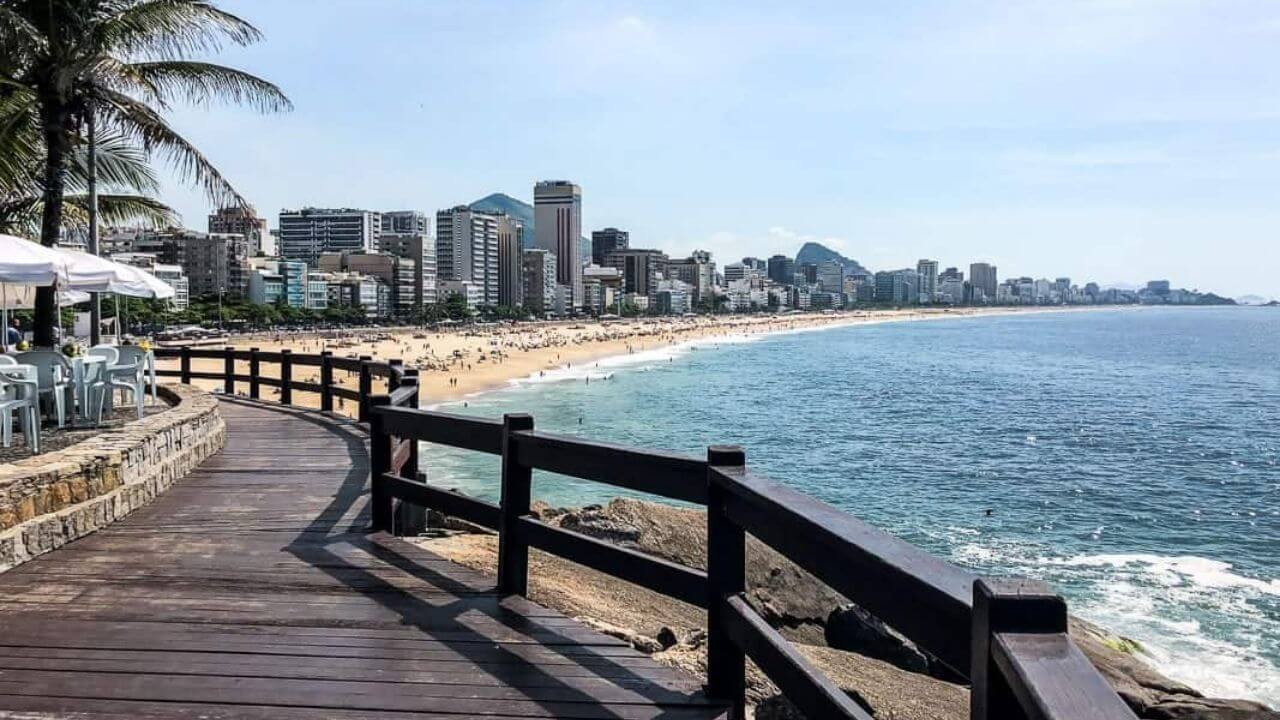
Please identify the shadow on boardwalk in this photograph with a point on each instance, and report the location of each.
(252, 590)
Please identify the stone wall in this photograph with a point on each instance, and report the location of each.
(48, 500)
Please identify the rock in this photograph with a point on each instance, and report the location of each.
(1191, 707)
(643, 643)
(780, 708)
(853, 629)
(600, 526)
(667, 637)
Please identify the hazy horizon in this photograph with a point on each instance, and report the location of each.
(1107, 140)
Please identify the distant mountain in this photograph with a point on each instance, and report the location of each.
(522, 211)
(518, 209)
(1252, 300)
(815, 253)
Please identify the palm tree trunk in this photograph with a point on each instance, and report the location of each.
(54, 117)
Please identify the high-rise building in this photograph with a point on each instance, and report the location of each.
(897, 286)
(406, 222)
(421, 249)
(306, 234)
(538, 269)
(606, 241)
(928, 271)
(467, 248)
(242, 221)
(831, 276)
(698, 272)
(215, 264)
(782, 269)
(950, 274)
(809, 271)
(641, 269)
(557, 208)
(982, 276)
(510, 262)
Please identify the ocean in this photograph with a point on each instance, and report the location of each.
(1130, 458)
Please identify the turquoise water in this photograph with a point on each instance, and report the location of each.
(1130, 458)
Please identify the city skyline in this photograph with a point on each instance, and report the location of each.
(1088, 160)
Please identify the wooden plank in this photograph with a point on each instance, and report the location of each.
(922, 596)
(807, 688)
(448, 502)
(1053, 680)
(661, 576)
(252, 589)
(673, 476)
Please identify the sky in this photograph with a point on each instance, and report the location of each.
(1107, 140)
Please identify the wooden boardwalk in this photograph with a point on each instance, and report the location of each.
(251, 589)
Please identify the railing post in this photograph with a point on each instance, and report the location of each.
(366, 388)
(379, 463)
(229, 370)
(184, 364)
(517, 489)
(726, 577)
(411, 520)
(394, 374)
(326, 380)
(1001, 606)
(255, 371)
(286, 377)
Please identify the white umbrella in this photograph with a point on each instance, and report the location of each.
(90, 273)
(23, 262)
(23, 265)
(136, 282)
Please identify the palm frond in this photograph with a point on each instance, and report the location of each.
(201, 83)
(119, 210)
(121, 165)
(172, 28)
(138, 122)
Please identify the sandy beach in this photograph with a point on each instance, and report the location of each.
(459, 362)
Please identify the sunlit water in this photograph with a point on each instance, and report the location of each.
(1129, 458)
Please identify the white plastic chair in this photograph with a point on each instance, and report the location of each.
(129, 373)
(7, 360)
(98, 377)
(53, 378)
(24, 400)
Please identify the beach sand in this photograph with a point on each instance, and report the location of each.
(459, 362)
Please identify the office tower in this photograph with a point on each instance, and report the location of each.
(982, 276)
(641, 269)
(557, 208)
(538, 271)
(406, 222)
(782, 269)
(606, 241)
(830, 275)
(467, 249)
(950, 274)
(809, 271)
(697, 271)
(421, 249)
(242, 221)
(510, 262)
(306, 234)
(928, 271)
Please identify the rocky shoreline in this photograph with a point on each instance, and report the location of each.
(882, 670)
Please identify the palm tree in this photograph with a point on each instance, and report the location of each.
(124, 61)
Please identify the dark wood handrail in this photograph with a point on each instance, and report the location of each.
(1008, 637)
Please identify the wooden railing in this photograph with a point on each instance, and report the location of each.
(1008, 637)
